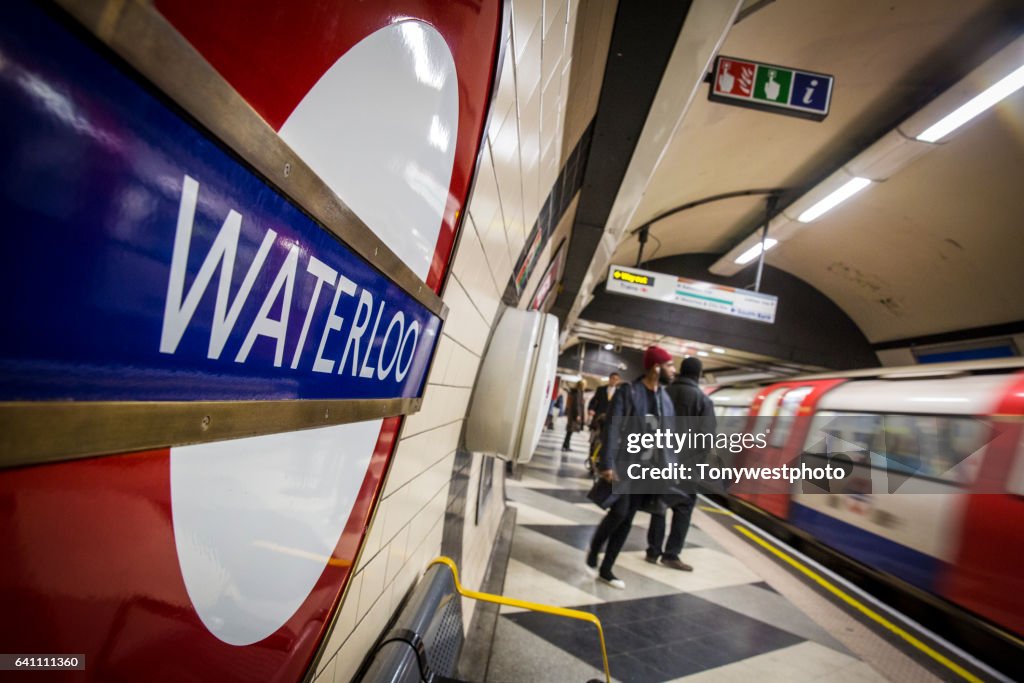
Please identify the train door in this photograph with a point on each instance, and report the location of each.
(986, 574)
(779, 416)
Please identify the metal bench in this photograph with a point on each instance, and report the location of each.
(425, 640)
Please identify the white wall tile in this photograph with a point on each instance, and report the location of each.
(358, 645)
(375, 534)
(526, 16)
(554, 47)
(550, 122)
(493, 242)
(397, 555)
(507, 170)
(346, 620)
(528, 72)
(442, 359)
(485, 204)
(464, 324)
(463, 368)
(373, 582)
(474, 273)
(529, 152)
(505, 96)
(554, 16)
(325, 674)
(413, 455)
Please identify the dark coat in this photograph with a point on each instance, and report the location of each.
(574, 409)
(624, 404)
(599, 402)
(690, 401)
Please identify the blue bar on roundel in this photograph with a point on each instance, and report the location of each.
(143, 262)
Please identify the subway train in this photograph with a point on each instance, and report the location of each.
(956, 527)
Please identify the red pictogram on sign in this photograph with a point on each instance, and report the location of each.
(735, 78)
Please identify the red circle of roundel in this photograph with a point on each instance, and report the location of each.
(273, 53)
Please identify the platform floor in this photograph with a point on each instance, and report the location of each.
(743, 614)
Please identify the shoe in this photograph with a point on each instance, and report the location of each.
(590, 566)
(612, 580)
(676, 563)
(653, 559)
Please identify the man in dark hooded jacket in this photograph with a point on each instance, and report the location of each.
(644, 397)
(688, 400)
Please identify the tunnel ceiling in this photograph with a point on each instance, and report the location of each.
(933, 249)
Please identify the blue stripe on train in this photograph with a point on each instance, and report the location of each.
(880, 553)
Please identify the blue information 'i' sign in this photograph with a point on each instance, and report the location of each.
(810, 91)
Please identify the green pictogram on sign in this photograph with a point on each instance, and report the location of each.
(773, 84)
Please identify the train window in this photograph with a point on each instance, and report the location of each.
(931, 446)
(833, 434)
(732, 411)
(788, 408)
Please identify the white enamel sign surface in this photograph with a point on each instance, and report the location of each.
(379, 128)
(256, 520)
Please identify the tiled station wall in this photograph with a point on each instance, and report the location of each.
(520, 160)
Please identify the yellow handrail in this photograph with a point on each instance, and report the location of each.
(534, 606)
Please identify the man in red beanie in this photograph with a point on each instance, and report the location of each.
(688, 400)
(645, 396)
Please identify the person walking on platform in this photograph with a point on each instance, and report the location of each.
(597, 412)
(597, 409)
(642, 397)
(688, 400)
(574, 412)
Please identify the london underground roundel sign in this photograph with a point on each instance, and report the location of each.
(156, 266)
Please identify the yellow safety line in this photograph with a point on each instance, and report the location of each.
(717, 511)
(860, 607)
(534, 606)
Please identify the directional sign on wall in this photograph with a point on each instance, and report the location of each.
(769, 87)
(681, 291)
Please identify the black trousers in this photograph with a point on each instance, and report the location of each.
(682, 510)
(614, 529)
(570, 428)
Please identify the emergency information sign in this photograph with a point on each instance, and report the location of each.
(769, 87)
(682, 291)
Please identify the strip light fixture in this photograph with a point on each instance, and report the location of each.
(974, 107)
(833, 200)
(755, 251)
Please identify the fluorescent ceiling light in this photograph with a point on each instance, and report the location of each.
(609, 347)
(703, 354)
(718, 349)
(835, 199)
(755, 251)
(975, 106)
